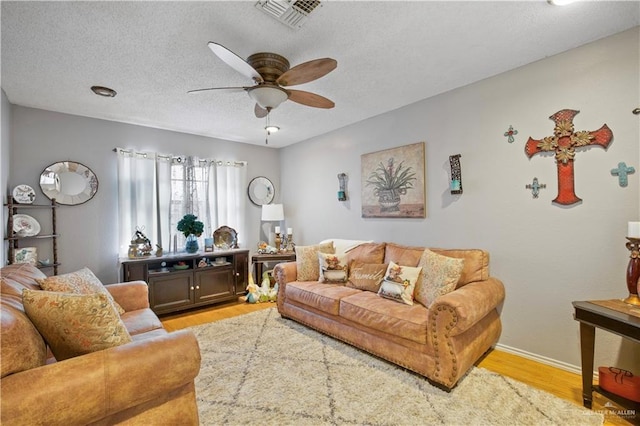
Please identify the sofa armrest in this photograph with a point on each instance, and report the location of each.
(87, 388)
(468, 305)
(132, 295)
(284, 273)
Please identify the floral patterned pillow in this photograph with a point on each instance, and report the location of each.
(399, 283)
(440, 275)
(79, 282)
(307, 260)
(74, 324)
(333, 268)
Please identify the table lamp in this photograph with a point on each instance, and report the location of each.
(273, 213)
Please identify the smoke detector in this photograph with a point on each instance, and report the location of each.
(292, 13)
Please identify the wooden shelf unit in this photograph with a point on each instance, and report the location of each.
(14, 240)
(172, 290)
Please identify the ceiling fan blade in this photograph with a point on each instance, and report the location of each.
(235, 61)
(225, 89)
(310, 99)
(307, 72)
(260, 112)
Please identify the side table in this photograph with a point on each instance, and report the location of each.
(616, 317)
(259, 260)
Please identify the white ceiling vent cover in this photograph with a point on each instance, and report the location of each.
(292, 13)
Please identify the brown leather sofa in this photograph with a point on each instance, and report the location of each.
(148, 381)
(440, 343)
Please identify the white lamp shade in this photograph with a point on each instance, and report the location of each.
(272, 212)
(268, 96)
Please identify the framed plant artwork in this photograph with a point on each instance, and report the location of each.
(393, 182)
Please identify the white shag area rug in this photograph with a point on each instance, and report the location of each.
(261, 369)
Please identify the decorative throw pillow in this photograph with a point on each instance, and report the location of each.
(333, 268)
(79, 282)
(74, 324)
(366, 276)
(399, 282)
(440, 274)
(307, 260)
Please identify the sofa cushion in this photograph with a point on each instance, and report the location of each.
(22, 346)
(324, 297)
(402, 255)
(369, 310)
(141, 321)
(367, 253)
(17, 277)
(399, 282)
(366, 276)
(307, 260)
(75, 324)
(333, 268)
(476, 264)
(79, 282)
(439, 276)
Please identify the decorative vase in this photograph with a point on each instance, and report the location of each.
(389, 200)
(192, 244)
(633, 271)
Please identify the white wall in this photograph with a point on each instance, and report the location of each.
(88, 231)
(546, 255)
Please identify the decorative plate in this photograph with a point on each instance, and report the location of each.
(25, 225)
(24, 194)
(261, 191)
(225, 238)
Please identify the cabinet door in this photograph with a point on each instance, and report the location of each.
(171, 291)
(241, 265)
(134, 272)
(214, 283)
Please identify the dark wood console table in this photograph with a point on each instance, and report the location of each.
(616, 317)
(260, 259)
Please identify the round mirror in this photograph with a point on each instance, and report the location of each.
(69, 183)
(261, 191)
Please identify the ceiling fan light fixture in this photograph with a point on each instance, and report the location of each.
(268, 97)
(272, 129)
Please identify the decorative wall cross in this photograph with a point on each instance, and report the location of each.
(622, 172)
(510, 134)
(535, 187)
(564, 142)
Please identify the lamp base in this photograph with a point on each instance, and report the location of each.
(633, 299)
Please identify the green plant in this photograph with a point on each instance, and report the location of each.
(390, 178)
(189, 225)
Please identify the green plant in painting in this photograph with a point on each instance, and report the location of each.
(390, 178)
(189, 225)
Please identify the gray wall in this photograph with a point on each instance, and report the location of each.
(546, 255)
(88, 231)
(5, 144)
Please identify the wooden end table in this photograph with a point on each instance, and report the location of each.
(616, 317)
(259, 260)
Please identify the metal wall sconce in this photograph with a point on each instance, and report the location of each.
(342, 193)
(456, 174)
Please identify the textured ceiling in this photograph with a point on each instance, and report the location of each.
(389, 54)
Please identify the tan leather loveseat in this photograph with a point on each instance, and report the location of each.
(440, 343)
(148, 381)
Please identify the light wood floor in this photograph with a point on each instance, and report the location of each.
(559, 382)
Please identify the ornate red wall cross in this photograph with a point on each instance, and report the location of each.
(564, 142)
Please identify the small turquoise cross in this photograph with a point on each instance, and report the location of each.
(510, 134)
(535, 187)
(622, 172)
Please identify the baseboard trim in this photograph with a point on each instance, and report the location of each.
(541, 359)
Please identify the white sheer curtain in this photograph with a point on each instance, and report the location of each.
(155, 191)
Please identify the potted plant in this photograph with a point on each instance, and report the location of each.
(390, 183)
(192, 229)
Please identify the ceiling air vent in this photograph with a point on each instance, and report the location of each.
(292, 13)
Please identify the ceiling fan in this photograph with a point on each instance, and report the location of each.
(271, 74)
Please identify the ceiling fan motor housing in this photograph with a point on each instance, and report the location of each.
(269, 65)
